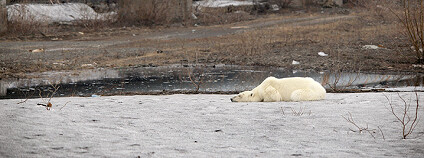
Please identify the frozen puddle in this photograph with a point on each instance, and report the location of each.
(171, 79)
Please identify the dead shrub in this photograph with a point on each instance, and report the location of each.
(342, 81)
(196, 69)
(360, 129)
(300, 112)
(49, 95)
(282, 3)
(408, 119)
(357, 3)
(224, 15)
(339, 84)
(101, 20)
(146, 12)
(196, 75)
(259, 7)
(23, 23)
(412, 20)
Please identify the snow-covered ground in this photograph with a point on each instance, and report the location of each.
(206, 126)
(68, 12)
(54, 12)
(221, 3)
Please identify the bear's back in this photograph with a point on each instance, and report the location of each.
(286, 86)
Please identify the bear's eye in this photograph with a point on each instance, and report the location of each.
(251, 95)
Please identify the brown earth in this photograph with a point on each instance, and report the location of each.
(272, 40)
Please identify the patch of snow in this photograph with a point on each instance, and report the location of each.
(193, 16)
(87, 65)
(275, 7)
(417, 66)
(221, 3)
(413, 48)
(370, 47)
(207, 126)
(50, 13)
(239, 27)
(294, 62)
(322, 54)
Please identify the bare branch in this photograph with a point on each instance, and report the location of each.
(408, 123)
(381, 132)
(64, 105)
(349, 119)
(298, 113)
(282, 110)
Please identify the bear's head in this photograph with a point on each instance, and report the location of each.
(246, 96)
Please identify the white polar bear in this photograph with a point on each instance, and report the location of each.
(285, 89)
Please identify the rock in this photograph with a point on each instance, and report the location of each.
(37, 50)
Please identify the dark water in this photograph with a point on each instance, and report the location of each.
(212, 79)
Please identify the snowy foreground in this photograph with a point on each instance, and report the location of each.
(206, 126)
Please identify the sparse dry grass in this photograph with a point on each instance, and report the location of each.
(299, 38)
(25, 23)
(412, 20)
(278, 45)
(146, 12)
(225, 15)
(342, 39)
(98, 22)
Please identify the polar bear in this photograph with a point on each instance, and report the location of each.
(285, 89)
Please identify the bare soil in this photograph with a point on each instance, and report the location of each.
(272, 40)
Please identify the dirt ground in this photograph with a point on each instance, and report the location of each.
(272, 40)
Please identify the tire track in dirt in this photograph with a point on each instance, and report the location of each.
(213, 31)
(117, 49)
(173, 33)
(217, 31)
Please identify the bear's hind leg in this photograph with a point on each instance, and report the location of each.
(304, 95)
(271, 95)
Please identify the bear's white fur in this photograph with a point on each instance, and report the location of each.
(285, 89)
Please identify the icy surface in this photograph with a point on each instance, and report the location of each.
(54, 12)
(405, 89)
(206, 126)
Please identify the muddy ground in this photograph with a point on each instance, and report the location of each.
(269, 40)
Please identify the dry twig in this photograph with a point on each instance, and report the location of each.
(282, 110)
(412, 20)
(49, 95)
(196, 81)
(407, 122)
(349, 119)
(64, 105)
(300, 112)
(381, 132)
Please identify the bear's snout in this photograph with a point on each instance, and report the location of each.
(231, 99)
